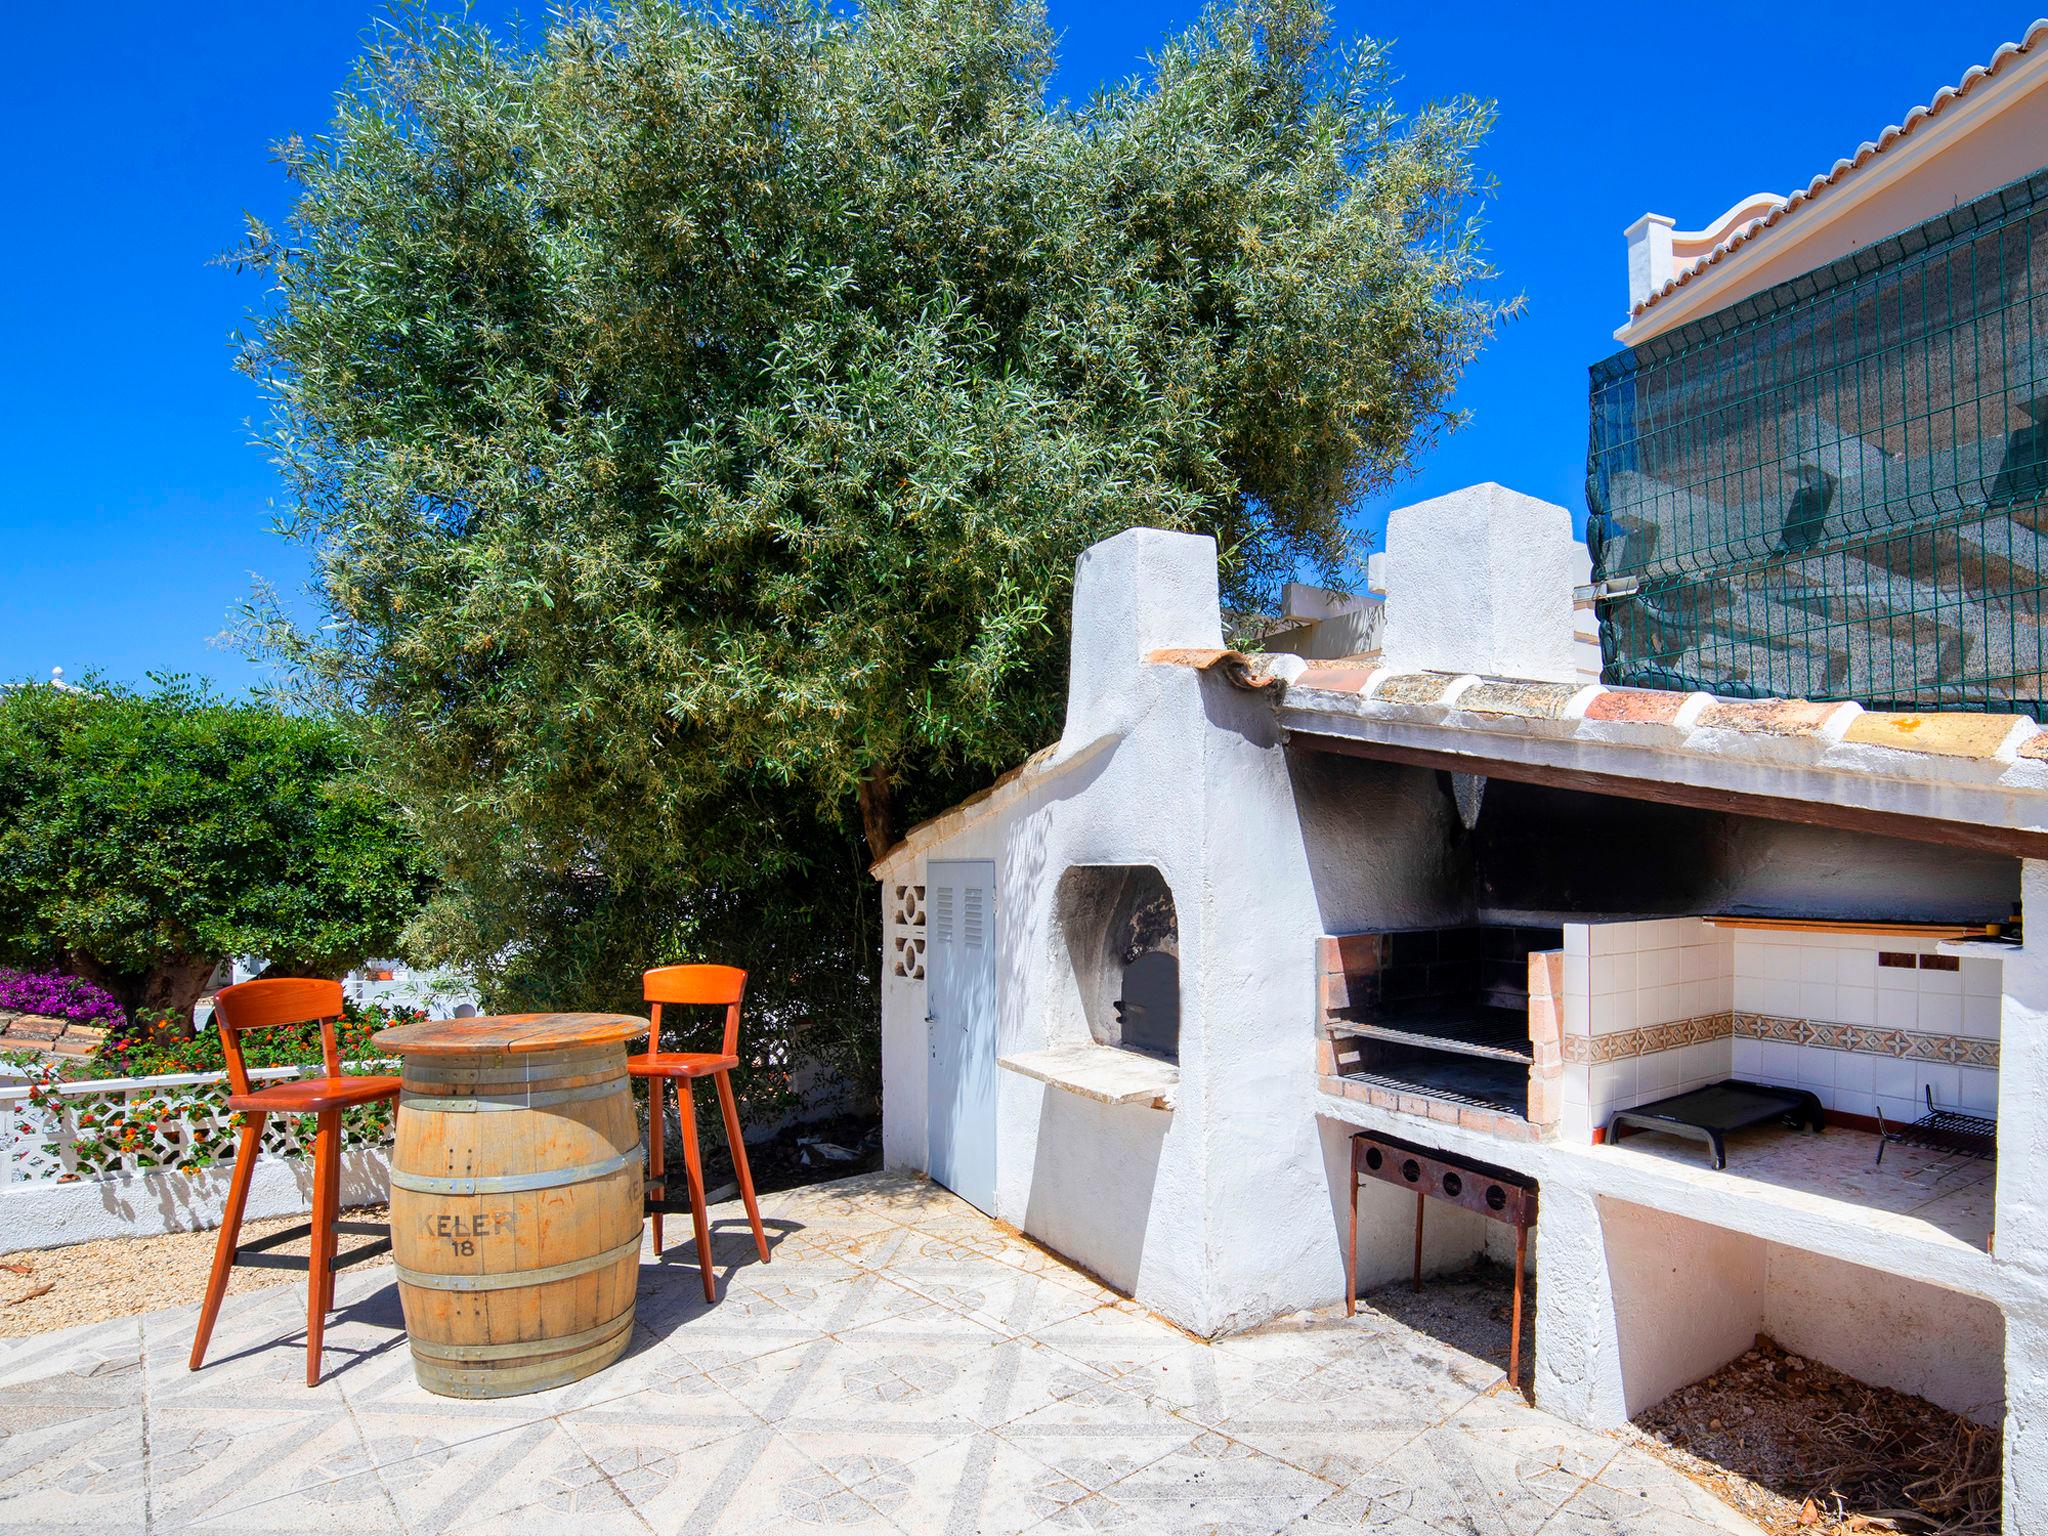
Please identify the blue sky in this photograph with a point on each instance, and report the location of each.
(134, 511)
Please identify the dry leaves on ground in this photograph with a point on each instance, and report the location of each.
(1804, 1450)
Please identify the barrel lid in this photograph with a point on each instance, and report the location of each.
(510, 1032)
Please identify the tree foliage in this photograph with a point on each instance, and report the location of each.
(697, 412)
(144, 837)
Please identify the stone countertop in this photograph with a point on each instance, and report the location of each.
(1105, 1073)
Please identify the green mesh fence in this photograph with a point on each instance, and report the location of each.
(1835, 489)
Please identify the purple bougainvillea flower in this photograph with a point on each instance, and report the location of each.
(56, 996)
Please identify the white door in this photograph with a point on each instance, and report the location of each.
(960, 1011)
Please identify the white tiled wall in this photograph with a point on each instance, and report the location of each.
(1835, 978)
(1641, 974)
(1632, 976)
(1629, 976)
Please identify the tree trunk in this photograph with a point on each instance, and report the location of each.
(174, 983)
(877, 811)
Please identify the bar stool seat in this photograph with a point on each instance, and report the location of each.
(680, 1064)
(718, 986)
(312, 1095)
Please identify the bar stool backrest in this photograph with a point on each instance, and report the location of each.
(277, 1000)
(706, 984)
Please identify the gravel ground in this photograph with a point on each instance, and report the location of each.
(49, 1288)
(45, 1289)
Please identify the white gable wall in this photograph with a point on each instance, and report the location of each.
(1226, 1209)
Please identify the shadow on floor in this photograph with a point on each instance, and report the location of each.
(1470, 1310)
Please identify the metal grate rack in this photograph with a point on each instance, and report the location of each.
(1942, 1130)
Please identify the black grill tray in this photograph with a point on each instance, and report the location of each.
(1708, 1114)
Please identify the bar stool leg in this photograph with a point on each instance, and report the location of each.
(693, 1165)
(326, 1149)
(731, 1111)
(657, 1147)
(230, 1234)
(332, 1198)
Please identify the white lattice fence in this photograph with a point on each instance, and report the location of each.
(53, 1132)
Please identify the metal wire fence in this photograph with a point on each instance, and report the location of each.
(1835, 489)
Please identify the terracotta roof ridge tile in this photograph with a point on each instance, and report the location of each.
(1243, 669)
(1787, 729)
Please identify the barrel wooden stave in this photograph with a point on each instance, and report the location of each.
(475, 1250)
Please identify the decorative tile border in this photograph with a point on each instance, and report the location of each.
(1870, 1040)
(1584, 1050)
(1899, 1044)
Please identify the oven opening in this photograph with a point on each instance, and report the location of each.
(1122, 934)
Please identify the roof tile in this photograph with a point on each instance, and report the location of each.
(1636, 706)
(1336, 679)
(1943, 735)
(1508, 696)
(1417, 687)
(1769, 717)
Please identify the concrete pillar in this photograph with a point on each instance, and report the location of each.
(2022, 1211)
(2026, 1419)
(1144, 590)
(1636, 1303)
(1650, 261)
(1578, 1365)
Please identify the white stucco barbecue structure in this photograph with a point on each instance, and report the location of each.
(1284, 804)
(1418, 873)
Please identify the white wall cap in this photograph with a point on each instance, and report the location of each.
(1481, 581)
(1650, 262)
(1144, 590)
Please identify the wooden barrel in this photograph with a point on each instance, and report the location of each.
(516, 1211)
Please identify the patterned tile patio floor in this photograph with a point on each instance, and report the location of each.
(904, 1365)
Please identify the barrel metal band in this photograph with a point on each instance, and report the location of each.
(522, 1349)
(507, 1098)
(433, 1088)
(512, 1278)
(554, 1371)
(512, 1183)
(515, 1069)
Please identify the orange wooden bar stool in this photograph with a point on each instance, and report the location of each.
(260, 1005)
(717, 985)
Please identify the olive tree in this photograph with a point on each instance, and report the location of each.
(696, 411)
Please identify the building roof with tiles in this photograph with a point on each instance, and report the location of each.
(1978, 780)
(1972, 136)
(1975, 780)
